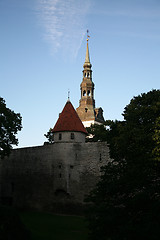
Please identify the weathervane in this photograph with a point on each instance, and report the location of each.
(88, 35)
(68, 95)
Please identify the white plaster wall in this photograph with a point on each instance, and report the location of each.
(66, 137)
(88, 123)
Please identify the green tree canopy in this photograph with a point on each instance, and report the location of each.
(156, 139)
(96, 133)
(133, 137)
(10, 124)
(125, 203)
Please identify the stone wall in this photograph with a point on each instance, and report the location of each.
(52, 176)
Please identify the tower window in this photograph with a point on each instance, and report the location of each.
(60, 136)
(84, 93)
(89, 93)
(87, 74)
(72, 135)
(86, 109)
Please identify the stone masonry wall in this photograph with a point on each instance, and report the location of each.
(51, 176)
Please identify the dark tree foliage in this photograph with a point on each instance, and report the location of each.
(133, 137)
(49, 136)
(10, 124)
(96, 133)
(125, 204)
(156, 138)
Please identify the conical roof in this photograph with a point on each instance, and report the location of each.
(69, 121)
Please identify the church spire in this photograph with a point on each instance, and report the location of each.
(87, 58)
(86, 110)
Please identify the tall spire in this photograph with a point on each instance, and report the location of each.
(86, 110)
(87, 58)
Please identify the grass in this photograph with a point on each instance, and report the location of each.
(45, 226)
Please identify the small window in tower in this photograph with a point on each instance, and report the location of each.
(89, 93)
(84, 93)
(60, 175)
(60, 136)
(87, 74)
(72, 135)
(86, 109)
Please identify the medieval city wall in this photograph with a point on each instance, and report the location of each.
(51, 176)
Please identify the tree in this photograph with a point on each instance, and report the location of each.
(97, 133)
(125, 204)
(10, 124)
(156, 139)
(49, 136)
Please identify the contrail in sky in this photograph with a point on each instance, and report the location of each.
(64, 23)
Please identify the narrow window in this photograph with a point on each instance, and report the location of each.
(100, 157)
(87, 74)
(60, 166)
(84, 93)
(72, 135)
(60, 175)
(89, 93)
(86, 109)
(60, 136)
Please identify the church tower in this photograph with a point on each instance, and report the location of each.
(86, 110)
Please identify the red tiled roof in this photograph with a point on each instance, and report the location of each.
(69, 120)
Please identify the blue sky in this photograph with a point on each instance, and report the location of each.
(42, 51)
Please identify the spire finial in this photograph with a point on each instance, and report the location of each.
(68, 95)
(88, 35)
(87, 60)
